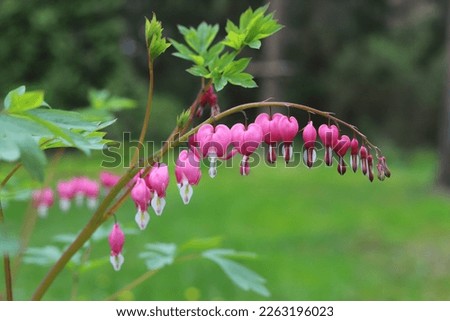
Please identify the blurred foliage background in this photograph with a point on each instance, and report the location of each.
(377, 63)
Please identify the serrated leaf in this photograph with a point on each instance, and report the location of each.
(242, 79)
(158, 255)
(253, 26)
(156, 43)
(183, 51)
(237, 66)
(219, 82)
(65, 119)
(201, 38)
(240, 275)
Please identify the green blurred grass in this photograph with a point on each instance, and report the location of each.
(318, 236)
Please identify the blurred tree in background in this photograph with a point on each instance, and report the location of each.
(378, 63)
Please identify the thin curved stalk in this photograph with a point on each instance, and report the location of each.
(148, 110)
(6, 265)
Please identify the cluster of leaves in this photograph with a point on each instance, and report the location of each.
(218, 61)
(156, 43)
(28, 126)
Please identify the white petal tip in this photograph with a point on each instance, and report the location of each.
(142, 219)
(158, 204)
(186, 192)
(116, 261)
(64, 204)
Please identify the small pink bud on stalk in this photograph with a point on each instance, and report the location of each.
(354, 150)
(157, 182)
(208, 98)
(382, 169)
(363, 153)
(309, 137)
(141, 196)
(42, 201)
(329, 136)
(246, 141)
(370, 167)
(116, 240)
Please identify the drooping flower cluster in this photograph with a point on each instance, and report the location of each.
(219, 142)
(78, 188)
(150, 190)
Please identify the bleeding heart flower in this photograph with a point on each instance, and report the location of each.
(246, 141)
(116, 240)
(213, 143)
(288, 127)
(66, 192)
(354, 151)
(157, 182)
(309, 137)
(329, 136)
(187, 173)
(108, 180)
(43, 200)
(141, 196)
(271, 133)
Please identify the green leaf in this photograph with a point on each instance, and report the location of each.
(9, 151)
(26, 101)
(32, 157)
(183, 118)
(158, 255)
(240, 275)
(65, 119)
(156, 43)
(242, 79)
(199, 71)
(8, 99)
(42, 256)
(183, 51)
(103, 100)
(201, 38)
(253, 26)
